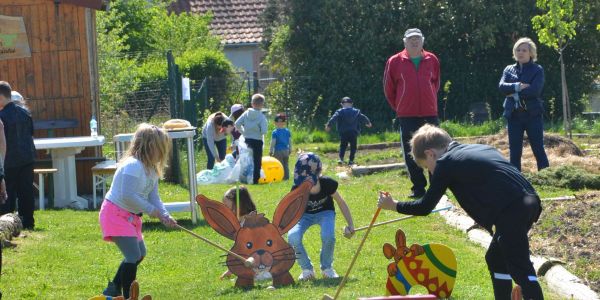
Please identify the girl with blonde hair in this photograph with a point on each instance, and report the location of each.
(135, 191)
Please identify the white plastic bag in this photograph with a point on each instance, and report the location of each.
(219, 174)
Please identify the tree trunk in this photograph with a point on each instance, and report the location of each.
(565, 98)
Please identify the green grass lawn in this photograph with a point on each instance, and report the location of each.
(65, 257)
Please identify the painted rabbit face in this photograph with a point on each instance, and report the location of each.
(258, 238)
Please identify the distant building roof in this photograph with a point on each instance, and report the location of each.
(95, 4)
(235, 21)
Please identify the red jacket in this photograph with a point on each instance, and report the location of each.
(411, 92)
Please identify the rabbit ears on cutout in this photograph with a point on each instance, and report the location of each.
(287, 214)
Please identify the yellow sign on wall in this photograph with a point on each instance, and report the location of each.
(13, 38)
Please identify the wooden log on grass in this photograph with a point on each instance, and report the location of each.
(380, 146)
(10, 226)
(365, 170)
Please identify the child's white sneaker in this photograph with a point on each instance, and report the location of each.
(307, 275)
(330, 273)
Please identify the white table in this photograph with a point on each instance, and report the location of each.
(120, 147)
(63, 151)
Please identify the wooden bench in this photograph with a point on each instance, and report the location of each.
(100, 173)
(51, 125)
(40, 186)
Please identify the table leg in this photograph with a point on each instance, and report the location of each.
(65, 181)
(192, 178)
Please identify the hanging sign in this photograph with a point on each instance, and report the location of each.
(13, 38)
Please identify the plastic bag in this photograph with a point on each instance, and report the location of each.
(219, 174)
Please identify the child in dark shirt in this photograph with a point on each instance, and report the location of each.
(319, 211)
(492, 191)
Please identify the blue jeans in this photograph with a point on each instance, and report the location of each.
(408, 126)
(326, 219)
(221, 149)
(518, 123)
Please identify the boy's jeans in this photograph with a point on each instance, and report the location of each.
(326, 219)
(283, 156)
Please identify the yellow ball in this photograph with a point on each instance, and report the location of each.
(272, 168)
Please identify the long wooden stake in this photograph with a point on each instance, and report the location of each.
(237, 198)
(399, 219)
(248, 262)
(339, 289)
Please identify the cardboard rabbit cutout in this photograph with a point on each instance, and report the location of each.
(432, 266)
(256, 237)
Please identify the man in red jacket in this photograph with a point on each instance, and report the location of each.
(411, 82)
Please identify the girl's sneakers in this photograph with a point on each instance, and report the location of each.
(307, 274)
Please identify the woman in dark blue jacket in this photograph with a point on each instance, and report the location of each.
(522, 83)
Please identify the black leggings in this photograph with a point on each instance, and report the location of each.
(508, 255)
(257, 148)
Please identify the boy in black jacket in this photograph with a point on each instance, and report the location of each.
(348, 121)
(492, 191)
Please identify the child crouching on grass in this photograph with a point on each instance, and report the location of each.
(492, 192)
(320, 211)
(134, 191)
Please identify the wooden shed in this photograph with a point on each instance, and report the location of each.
(59, 78)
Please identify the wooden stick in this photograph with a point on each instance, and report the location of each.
(248, 262)
(237, 197)
(339, 289)
(399, 219)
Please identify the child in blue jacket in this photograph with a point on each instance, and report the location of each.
(348, 120)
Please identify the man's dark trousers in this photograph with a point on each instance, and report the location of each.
(348, 137)
(408, 126)
(19, 186)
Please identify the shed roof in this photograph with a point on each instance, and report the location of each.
(95, 4)
(235, 21)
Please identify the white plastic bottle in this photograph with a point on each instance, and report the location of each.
(94, 126)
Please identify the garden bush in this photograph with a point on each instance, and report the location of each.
(569, 177)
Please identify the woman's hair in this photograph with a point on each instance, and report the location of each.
(246, 204)
(217, 118)
(532, 47)
(150, 145)
(428, 137)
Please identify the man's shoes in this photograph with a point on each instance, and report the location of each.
(340, 162)
(351, 163)
(416, 195)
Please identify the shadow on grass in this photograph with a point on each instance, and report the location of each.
(155, 224)
(263, 285)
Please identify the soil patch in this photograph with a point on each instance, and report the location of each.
(570, 231)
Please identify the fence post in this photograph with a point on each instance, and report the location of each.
(255, 81)
(173, 172)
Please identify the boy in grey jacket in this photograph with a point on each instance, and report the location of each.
(253, 125)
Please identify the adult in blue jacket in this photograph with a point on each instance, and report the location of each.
(348, 120)
(522, 83)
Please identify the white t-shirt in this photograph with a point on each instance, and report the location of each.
(134, 189)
